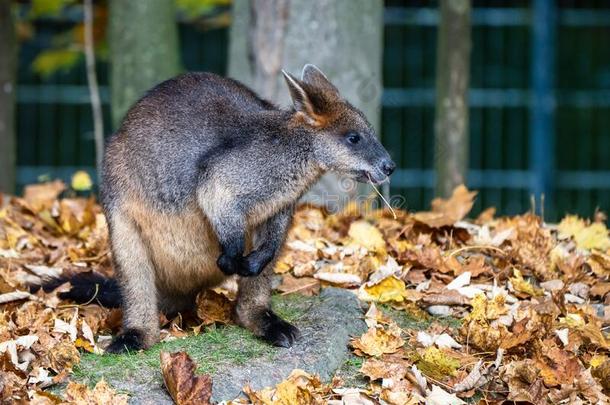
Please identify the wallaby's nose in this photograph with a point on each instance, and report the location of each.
(387, 166)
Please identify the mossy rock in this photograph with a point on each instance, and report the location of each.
(234, 357)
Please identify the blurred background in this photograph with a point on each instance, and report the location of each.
(512, 97)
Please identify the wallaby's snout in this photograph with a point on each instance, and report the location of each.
(380, 170)
(342, 138)
(387, 167)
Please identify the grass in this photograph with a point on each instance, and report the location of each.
(348, 372)
(211, 350)
(222, 346)
(419, 320)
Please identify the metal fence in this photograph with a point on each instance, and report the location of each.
(539, 103)
(539, 100)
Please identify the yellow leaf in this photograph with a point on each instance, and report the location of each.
(388, 289)
(379, 340)
(81, 181)
(597, 360)
(594, 236)
(366, 235)
(437, 364)
(519, 284)
(50, 61)
(300, 388)
(570, 226)
(484, 309)
(84, 344)
(102, 393)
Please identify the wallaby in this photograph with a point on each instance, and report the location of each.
(200, 183)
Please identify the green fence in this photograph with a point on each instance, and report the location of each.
(509, 159)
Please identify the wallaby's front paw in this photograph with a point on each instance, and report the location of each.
(228, 265)
(279, 332)
(126, 341)
(249, 266)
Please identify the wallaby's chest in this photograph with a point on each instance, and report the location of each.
(182, 246)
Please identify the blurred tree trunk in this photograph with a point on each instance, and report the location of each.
(452, 77)
(344, 38)
(143, 37)
(8, 75)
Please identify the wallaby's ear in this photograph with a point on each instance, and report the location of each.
(303, 101)
(312, 75)
(297, 92)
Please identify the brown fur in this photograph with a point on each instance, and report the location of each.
(200, 183)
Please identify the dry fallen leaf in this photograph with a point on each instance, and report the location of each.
(593, 236)
(448, 212)
(213, 307)
(101, 394)
(387, 290)
(300, 388)
(366, 235)
(184, 386)
(302, 285)
(379, 340)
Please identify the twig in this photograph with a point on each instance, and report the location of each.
(97, 290)
(382, 197)
(94, 91)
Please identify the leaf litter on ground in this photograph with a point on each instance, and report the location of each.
(532, 300)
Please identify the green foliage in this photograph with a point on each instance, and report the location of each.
(48, 8)
(50, 61)
(192, 9)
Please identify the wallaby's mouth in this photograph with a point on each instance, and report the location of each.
(364, 176)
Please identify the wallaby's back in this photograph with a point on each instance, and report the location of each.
(169, 133)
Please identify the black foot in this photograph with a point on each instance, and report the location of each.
(278, 332)
(129, 340)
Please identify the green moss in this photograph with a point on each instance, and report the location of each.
(349, 372)
(290, 307)
(407, 320)
(211, 350)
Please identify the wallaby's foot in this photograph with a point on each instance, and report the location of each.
(277, 331)
(127, 341)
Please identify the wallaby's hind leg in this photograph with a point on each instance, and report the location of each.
(136, 276)
(254, 312)
(254, 297)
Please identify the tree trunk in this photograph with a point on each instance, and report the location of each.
(342, 37)
(8, 75)
(94, 92)
(452, 77)
(143, 38)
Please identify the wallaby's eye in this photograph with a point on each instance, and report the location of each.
(353, 138)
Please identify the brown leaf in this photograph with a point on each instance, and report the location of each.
(43, 195)
(101, 394)
(448, 212)
(377, 369)
(558, 367)
(213, 307)
(183, 385)
(303, 285)
(63, 355)
(379, 340)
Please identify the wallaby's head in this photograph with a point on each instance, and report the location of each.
(343, 140)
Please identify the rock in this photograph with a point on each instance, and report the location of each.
(234, 358)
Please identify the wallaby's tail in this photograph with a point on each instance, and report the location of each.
(88, 288)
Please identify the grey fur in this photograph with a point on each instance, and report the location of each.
(201, 180)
